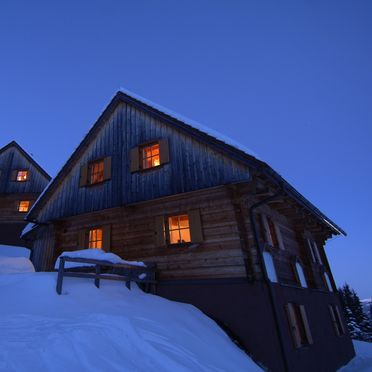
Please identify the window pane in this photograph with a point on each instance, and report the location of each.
(22, 176)
(185, 236)
(328, 282)
(184, 221)
(174, 237)
(155, 160)
(146, 152)
(270, 268)
(173, 223)
(155, 149)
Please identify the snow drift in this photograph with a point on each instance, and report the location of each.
(106, 329)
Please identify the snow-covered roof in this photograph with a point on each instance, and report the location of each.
(192, 123)
(223, 142)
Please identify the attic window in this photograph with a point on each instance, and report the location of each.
(23, 206)
(150, 156)
(95, 172)
(95, 238)
(271, 232)
(21, 176)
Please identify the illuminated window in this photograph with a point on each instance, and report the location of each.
(95, 172)
(179, 229)
(95, 238)
(23, 206)
(150, 156)
(22, 176)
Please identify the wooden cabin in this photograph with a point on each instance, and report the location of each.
(229, 234)
(21, 182)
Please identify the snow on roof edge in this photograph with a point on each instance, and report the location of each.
(192, 123)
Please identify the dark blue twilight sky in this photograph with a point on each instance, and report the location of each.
(290, 79)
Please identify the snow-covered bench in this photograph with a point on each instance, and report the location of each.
(121, 270)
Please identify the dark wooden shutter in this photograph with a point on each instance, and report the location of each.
(106, 238)
(107, 168)
(13, 176)
(293, 325)
(159, 231)
(164, 151)
(83, 175)
(196, 230)
(134, 160)
(306, 324)
(82, 243)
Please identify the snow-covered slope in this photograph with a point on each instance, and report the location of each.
(363, 359)
(106, 329)
(13, 251)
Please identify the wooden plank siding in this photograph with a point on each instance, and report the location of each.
(133, 235)
(295, 248)
(192, 166)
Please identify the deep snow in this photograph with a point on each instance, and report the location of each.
(106, 329)
(13, 251)
(363, 359)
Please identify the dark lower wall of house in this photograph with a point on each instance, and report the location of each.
(10, 234)
(244, 308)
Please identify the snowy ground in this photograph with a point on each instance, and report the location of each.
(363, 359)
(106, 329)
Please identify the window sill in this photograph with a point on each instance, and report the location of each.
(95, 184)
(189, 245)
(148, 169)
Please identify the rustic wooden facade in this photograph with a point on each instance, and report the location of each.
(228, 234)
(21, 182)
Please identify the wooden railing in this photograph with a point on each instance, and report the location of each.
(120, 272)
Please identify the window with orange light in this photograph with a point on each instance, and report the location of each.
(95, 172)
(179, 229)
(95, 238)
(22, 176)
(23, 206)
(150, 156)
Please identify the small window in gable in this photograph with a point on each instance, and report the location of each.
(21, 175)
(95, 238)
(300, 275)
(95, 172)
(270, 267)
(149, 155)
(299, 325)
(23, 206)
